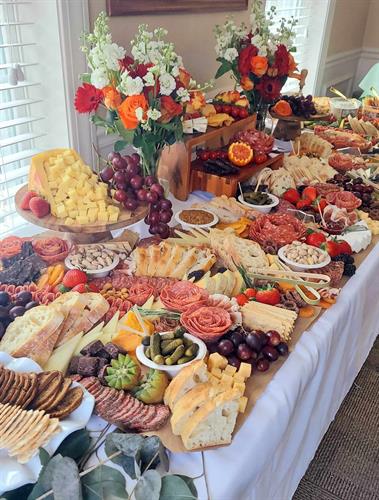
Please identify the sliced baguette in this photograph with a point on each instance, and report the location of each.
(34, 334)
(213, 423)
(187, 379)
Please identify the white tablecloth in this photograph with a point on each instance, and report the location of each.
(272, 451)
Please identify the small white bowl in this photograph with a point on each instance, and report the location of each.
(173, 370)
(265, 209)
(95, 273)
(196, 226)
(303, 267)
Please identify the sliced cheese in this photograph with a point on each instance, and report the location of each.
(61, 357)
(110, 328)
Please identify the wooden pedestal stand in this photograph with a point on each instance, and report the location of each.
(176, 161)
(289, 127)
(91, 233)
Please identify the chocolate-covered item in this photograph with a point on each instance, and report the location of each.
(112, 350)
(92, 349)
(88, 366)
(73, 366)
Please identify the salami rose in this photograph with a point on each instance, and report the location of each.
(279, 229)
(139, 293)
(51, 250)
(182, 295)
(207, 323)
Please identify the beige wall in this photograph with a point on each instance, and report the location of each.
(371, 36)
(348, 25)
(192, 35)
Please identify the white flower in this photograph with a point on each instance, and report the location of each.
(231, 54)
(99, 78)
(112, 53)
(167, 84)
(149, 79)
(175, 71)
(139, 114)
(131, 86)
(183, 94)
(154, 114)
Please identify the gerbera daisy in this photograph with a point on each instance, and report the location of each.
(87, 98)
(269, 88)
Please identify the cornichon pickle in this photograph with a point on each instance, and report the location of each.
(165, 343)
(159, 359)
(172, 346)
(147, 352)
(146, 341)
(187, 342)
(155, 345)
(185, 359)
(192, 350)
(179, 332)
(168, 336)
(175, 356)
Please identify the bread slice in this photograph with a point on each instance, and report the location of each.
(186, 406)
(176, 255)
(187, 379)
(189, 259)
(141, 260)
(72, 304)
(34, 334)
(95, 308)
(213, 423)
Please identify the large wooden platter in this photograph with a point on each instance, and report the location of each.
(50, 222)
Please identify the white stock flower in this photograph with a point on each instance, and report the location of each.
(175, 71)
(112, 53)
(139, 114)
(154, 114)
(99, 78)
(167, 84)
(131, 86)
(230, 54)
(149, 79)
(183, 94)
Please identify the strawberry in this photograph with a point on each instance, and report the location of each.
(39, 206)
(331, 246)
(26, 199)
(309, 192)
(344, 247)
(303, 203)
(292, 196)
(250, 293)
(73, 278)
(268, 295)
(241, 299)
(81, 288)
(315, 239)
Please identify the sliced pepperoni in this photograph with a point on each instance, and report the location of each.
(139, 293)
(182, 295)
(280, 229)
(207, 323)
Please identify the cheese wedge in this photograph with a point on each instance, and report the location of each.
(60, 359)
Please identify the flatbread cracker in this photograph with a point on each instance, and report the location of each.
(71, 401)
(45, 391)
(57, 397)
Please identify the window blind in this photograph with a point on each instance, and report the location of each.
(20, 123)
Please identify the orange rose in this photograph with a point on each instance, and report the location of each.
(292, 66)
(259, 65)
(169, 109)
(184, 77)
(112, 97)
(246, 83)
(127, 110)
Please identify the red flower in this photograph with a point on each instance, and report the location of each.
(169, 109)
(244, 59)
(140, 70)
(87, 98)
(269, 88)
(125, 63)
(282, 60)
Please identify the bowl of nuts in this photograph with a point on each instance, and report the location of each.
(301, 257)
(95, 260)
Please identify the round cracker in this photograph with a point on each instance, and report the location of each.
(8, 384)
(44, 394)
(70, 402)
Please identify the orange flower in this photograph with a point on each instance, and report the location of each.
(127, 110)
(197, 100)
(169, 109)
(259, 65)
(246, 83)
(112, 97)
(292, 64)
(184, 77)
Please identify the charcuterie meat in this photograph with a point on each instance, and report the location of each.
(51, 250)
(343, 199)
(284, 207)
(341, 138)
(334, 214)
(139, 293)
(207, 323)
(323, 188)
(334, 270)
(259, 141)
(163, 324)
(11, 246)
(120, 279)
(182, 295)
(278, 229)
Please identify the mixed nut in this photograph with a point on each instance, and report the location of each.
(301, 253)
(92, 257)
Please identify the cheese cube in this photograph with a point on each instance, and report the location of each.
(230, 370)
(83, 211)
(102, 216)
(244, 370)
(70, 203)
(239, 387)
(73, 214)
(239, 378)
(92, 211)
(113, 217)
(61, 210)
(68, 158)
(226, 380)
(69, 221)
(101, 205)
(217, 361)
(216, 372)
(82, 219)
(242, 404)
(91, 204)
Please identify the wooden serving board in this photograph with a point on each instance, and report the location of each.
(80, 232)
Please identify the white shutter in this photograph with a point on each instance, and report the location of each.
(20, 122)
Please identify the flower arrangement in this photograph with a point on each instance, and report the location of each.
(144, 93)
(259, 57)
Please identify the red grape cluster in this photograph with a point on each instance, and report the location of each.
(123, 173)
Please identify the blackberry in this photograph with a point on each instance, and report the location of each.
(349, 270)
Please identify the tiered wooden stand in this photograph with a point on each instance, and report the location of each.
(185, 174)
(91, 233)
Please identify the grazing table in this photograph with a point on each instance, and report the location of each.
(271, 452)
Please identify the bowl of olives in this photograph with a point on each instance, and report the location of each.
(262, 202)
